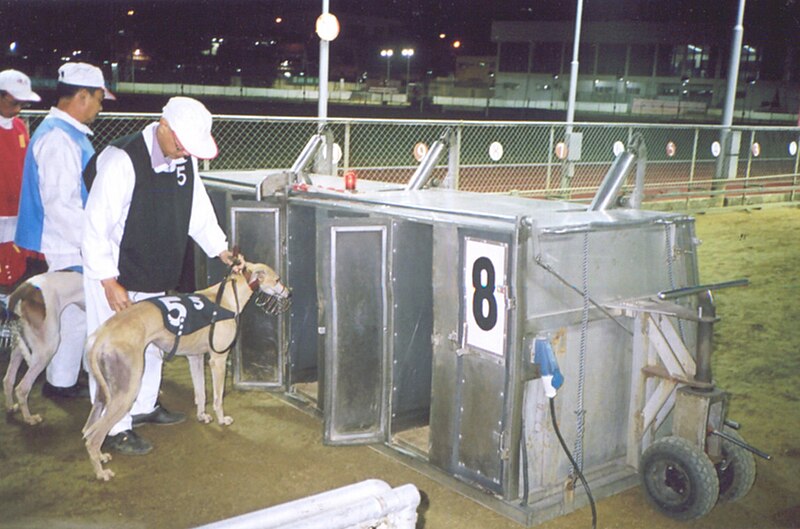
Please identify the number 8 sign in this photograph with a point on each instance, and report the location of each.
(484, 287)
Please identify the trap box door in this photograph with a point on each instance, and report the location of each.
(257, 228)
(474, 413)
(353, 274)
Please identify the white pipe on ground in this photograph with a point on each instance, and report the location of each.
(342, 508)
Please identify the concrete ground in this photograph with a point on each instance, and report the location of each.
(273, 452)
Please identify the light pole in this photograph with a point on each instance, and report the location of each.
(683, 90)
(327, 28)
(387, 53)
(749, 83)
(616, 94)
(408, 53)
(135, 56)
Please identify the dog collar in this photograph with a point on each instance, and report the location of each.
(247, 276)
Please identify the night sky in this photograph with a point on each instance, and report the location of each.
(175, 31)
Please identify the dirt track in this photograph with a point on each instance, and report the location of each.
(273, 453)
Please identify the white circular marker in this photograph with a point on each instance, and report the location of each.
(715, 149)
(337, 153)
(420, 150)
(496, 151)
(618, 148)
(561, 150)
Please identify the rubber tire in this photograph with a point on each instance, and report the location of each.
(679, 479)
(738, 477)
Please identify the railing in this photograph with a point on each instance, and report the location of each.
(509, 157)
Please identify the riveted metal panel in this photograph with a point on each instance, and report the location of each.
(259, 351)
(356, 342)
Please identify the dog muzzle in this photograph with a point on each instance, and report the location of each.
(272, 304)
(9, 329)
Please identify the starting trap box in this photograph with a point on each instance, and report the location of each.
(417, 315)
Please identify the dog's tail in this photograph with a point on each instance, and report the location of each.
(101, 395)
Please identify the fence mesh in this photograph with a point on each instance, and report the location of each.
(502, 157)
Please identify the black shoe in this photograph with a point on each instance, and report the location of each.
(160, 415)
(128, 443)
(73, 392)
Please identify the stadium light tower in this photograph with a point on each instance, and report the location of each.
(387, 54)
(408, 53)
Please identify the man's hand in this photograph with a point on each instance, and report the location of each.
(116, 294)
(236, 262)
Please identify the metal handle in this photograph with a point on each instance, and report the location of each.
(688, 291)
(742, 444)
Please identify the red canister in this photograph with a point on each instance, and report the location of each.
(350, 178)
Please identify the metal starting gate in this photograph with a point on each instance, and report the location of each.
(437, 324)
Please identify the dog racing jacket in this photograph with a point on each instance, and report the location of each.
(186, 313)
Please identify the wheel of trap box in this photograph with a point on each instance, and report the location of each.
(736, 471)
(679, 479)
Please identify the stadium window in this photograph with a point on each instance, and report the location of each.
(750, 63)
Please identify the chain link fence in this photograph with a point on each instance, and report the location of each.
(525, 158)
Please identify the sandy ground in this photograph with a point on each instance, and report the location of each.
(273, 452)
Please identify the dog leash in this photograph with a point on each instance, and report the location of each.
(214, 315)
(171, 354)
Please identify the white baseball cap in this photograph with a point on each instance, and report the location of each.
(83, 74)
(18, 85)
(191, 123)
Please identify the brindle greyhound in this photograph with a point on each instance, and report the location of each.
(116, 354)
(37, 304)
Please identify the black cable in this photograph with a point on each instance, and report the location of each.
(572, 460)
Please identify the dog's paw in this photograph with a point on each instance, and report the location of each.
(33, 419)
(105, 474)
(204, 418)
(227, 420)
(105, 458)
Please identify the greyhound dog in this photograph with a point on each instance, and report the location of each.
(36, 306)
(116, 351)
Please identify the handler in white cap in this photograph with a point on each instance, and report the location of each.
(145, 201)
(15, 94)
(51, 204)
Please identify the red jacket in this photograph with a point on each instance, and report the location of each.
(13, 144)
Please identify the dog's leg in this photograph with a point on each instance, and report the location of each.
(196, 368)
(37, 363)
(119, 376)
(11, 376)
(96, 412)
(218, 364)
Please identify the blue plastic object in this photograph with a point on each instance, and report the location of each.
(544, 356)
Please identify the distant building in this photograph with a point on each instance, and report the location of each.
(630, 64)
(475, 71)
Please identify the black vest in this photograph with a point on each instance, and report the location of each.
(157, 227)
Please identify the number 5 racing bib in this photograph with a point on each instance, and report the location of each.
(187, 313)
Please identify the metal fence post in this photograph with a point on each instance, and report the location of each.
(749, 163)
(346, 153)
(692, 166)
(794, 176)
(551, 149)
(454, 158)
